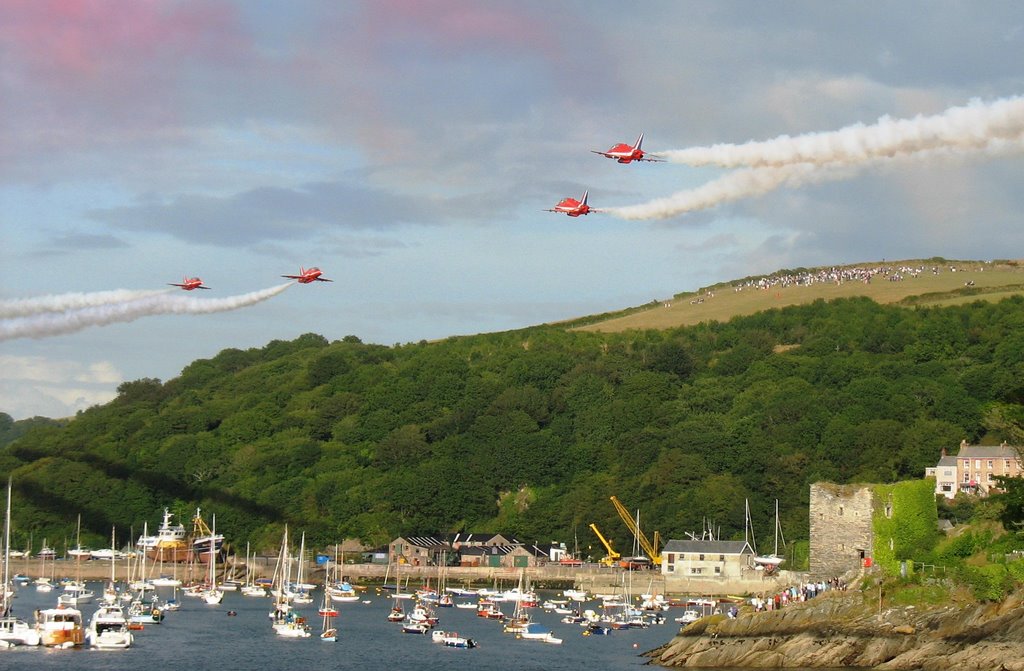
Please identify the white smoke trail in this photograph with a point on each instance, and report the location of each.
(22, 307)
(758, 181)
(46, 325)
(970, 127)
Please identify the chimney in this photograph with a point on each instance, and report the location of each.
(943, 452)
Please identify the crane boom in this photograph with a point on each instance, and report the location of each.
(649, 548)
(613, 556)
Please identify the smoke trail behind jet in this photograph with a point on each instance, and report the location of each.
(970, 127)
(69, 321)
(748, 182)
(23, 307)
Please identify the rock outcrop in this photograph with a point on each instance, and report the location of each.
(841, 629)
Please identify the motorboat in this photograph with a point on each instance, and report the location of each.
(108, 629)
(60, 627)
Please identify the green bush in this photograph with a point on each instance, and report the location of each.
(991, 582)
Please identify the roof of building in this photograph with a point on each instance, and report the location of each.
(947, 461)
(1003, 451)
(709, 547)
(425, 541)
(466, 538)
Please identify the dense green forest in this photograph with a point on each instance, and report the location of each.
(529, 432)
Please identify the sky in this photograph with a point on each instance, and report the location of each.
(410, 148)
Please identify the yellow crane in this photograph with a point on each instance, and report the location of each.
(613, 556)
(650, 548)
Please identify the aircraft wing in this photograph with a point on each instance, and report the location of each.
(323, 279)
(293, 277)
(202, 287)
(606, 155)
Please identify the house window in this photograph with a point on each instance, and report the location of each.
(671, 556)
(702, 558)
(1006, 465)
(721, 557)
(977, 464)
(967, 477)
(718, 570)
(696, 571)
(990, 464)
(991, 478)
(671, 568)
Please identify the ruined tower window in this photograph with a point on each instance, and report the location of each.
(888, 510)
(840, 511)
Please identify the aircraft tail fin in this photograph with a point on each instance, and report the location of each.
(583, 201)
(639, 141)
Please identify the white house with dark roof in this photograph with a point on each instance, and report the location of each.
(944, 473)
(707, 559)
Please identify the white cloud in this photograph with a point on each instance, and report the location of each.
(35, 385)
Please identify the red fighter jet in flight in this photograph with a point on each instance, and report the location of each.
(307, 275)
(189, 283)
(573, 207)
(623, 153)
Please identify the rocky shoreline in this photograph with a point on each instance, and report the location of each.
(846, 629)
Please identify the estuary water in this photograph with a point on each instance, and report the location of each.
(199, 636)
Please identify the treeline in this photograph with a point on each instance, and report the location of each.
(529, 432)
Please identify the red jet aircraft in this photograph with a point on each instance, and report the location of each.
(623, 153)
(307, 275)
(573, 207)
(189, 283)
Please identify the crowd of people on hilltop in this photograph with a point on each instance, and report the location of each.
(796, 594)
(839, 276)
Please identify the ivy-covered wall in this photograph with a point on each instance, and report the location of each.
(905, 522)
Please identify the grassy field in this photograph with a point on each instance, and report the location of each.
(991, 281)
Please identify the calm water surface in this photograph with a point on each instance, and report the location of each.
(204, 637)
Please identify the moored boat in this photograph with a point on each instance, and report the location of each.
(108, 629)
(168, 544)
(60, 627)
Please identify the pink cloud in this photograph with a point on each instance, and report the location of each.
(80, 42)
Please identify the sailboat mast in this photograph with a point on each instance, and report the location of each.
(4, 604)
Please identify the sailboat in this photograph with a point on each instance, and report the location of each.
(772, 561)
(285, 621)
(212, 595)
(250, 588)
(342, 591)
(75, 592)
(12, 630)
(301, 588)
(43, 582)
(327, 611)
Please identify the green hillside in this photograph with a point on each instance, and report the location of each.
(529, 432)
(933, 281)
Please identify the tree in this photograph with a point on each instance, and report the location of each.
(1011, 499)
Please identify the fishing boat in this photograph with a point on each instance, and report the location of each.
(13, 631)
(205, 542)
(169, 543)
(452, 639)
